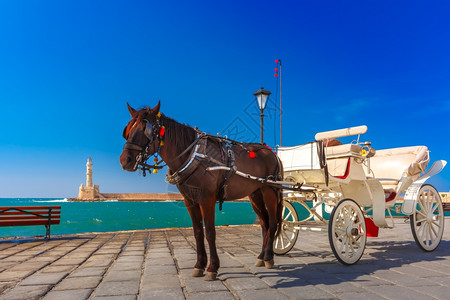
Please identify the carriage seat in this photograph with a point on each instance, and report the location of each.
(338, 158)
(390, 165)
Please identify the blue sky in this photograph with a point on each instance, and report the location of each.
(67, 69)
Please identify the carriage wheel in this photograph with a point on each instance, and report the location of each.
(347, 232)
(288, 235)
(427, 221)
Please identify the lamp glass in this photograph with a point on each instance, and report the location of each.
(262, 100)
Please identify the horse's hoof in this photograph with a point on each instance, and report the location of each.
(269, 263)
(210, 276)
(259, 263)
(197, 272)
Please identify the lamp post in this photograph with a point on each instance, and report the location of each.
(262, 97)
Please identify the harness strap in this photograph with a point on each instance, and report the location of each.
(229, 160)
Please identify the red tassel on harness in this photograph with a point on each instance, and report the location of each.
(252, 154)
(162, 131)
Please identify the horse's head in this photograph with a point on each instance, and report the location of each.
(142, 136)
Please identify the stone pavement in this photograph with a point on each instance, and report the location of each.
(156, 264)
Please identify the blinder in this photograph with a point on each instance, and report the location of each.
(148, 131)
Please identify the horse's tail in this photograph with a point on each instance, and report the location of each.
(279, 212)
(279, 191)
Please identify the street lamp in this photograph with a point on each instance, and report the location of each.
(262, 97)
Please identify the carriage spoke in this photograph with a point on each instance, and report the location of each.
(421, 213)
(288, 215)
(420, 202)
(346, 248)
(420, 221)
(432, 231)
(435, 207)
(436, 223)
(282, 242)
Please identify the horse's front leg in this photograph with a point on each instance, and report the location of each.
(197, 224)
(208, 213)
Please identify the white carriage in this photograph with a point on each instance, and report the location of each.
(359, 187)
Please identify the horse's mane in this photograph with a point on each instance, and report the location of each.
(184, 134)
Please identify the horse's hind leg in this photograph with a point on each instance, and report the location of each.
(208, 212)
(197, 224)
(270, 197)
(257, 202)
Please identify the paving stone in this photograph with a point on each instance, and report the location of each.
(44, 278)
(118, 288)
(127, 266)
(29, 266)
(58, 269)
(134, 275)
(438, 291)
(367, 280)
(77, 283)
(271, 294)
(14, 275)
(226, 273)
(175, 293)
(197, 285)
(68, 295)
(335, 286)
(212, 295)
(358, 296)
(162, 270)
(98, 263)
(304, 292)
(155, 281)
(163, 261)
(246, 283)
(6, 285)
(83, 272)
(28, 292)
(397, 292)
(121, 297)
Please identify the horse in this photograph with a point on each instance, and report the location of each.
(203, 169)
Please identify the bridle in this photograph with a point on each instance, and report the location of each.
(152, 133)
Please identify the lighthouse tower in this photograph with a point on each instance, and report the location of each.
(89, 172)
(89, 192)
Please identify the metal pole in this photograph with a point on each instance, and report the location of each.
(262, 126)
(281, 123)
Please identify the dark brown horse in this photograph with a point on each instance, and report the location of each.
(202, 167)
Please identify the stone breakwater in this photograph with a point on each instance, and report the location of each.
(136, 197)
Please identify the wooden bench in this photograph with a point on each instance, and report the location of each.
(446, 206)
(30, 215)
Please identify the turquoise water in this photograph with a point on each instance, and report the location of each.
(81, 217)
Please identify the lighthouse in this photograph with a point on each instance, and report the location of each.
(90, 192)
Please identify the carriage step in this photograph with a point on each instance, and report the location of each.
(307, 228)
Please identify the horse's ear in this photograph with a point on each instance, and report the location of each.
(156, 108)
(131, 110)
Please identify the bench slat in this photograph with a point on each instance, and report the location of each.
(29, 217)
(28, 223)
(39, 212)
(30, 208)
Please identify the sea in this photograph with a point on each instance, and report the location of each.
(84, 217)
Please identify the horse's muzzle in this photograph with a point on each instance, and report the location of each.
(128, 161)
